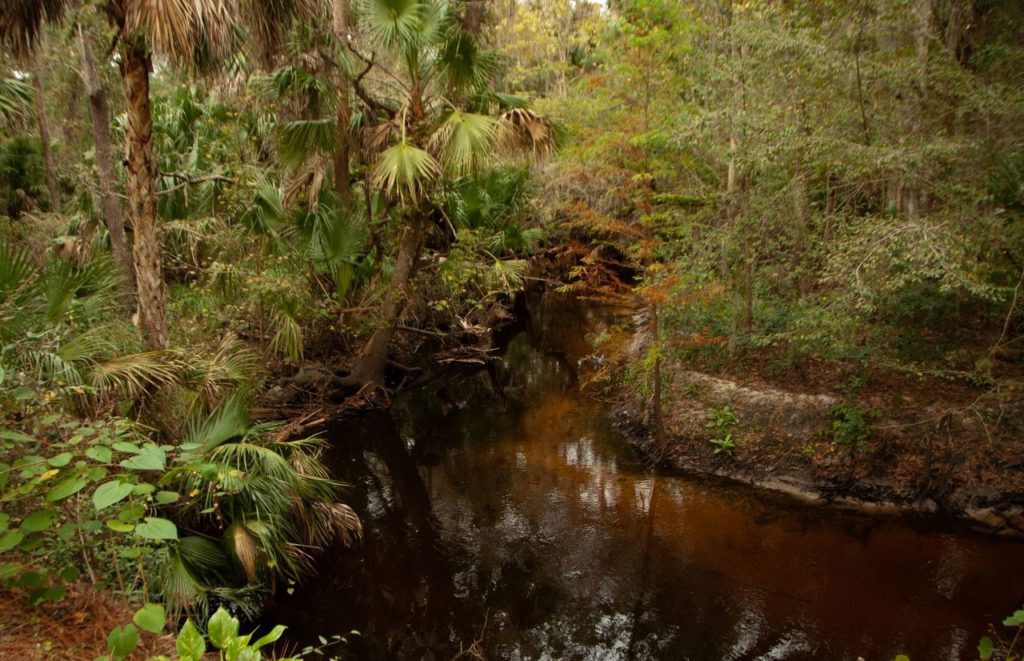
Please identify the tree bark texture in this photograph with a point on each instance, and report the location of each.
(342, 176)
(44, 129)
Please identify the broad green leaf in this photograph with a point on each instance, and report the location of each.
(101, 454)
(149, 458)
(10, 539)
(9, 569)
(37, 521)
(236, 647)
(247, 654)
(66, 487)
(1015, 620)
(61, 460)
(166, 497)
(270, 637)
(110, 493)
(119, 526)
(150, 618)
(190, 643)
(70, 573)
(122, 640)
(12, 435)
(131, 512)
(157, 528)
(222, 628)
(121, 446)
(52, 593)
(985, 648)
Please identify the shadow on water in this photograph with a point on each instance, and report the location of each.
(503, 507)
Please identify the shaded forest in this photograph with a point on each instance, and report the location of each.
(226, 223)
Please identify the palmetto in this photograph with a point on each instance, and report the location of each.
(430, 117)
(192, 34)
(261, 505)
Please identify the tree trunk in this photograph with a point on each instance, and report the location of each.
(659, 421)
(342, 177)
(140, 184)
(44, 129)
(370, 369)
(100, 111)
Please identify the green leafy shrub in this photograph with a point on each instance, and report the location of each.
(850, 425)
(721, 421)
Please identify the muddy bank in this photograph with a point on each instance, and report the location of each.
(897, 441)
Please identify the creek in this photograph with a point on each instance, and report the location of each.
(501, 508)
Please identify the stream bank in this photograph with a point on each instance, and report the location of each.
(896, 440)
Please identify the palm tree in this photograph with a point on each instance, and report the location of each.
(444, 126)
(194, 35)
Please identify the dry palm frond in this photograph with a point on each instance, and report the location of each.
(307, 182)
(245, 548)
(188, 32)
(268, 19)
(21, 22)
(348, 529)
(520, 129)
(136, 374)
(376, 138)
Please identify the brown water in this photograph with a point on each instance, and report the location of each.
(504, 509)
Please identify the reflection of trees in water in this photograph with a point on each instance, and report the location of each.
(524, 510)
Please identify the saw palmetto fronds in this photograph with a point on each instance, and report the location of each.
(406, 172)
(464, 141)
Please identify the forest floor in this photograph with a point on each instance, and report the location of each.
(73, 628)
(852, 434)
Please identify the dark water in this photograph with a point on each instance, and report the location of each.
(502, 508)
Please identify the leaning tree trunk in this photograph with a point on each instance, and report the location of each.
(140, 185)
(342, 181)
(44, 129)
(100, 111)
(370, 368)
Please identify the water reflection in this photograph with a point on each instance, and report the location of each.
(520, 519)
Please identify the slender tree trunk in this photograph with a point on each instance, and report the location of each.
(659, 422)
(370, 369)
(140, 184)
(342, 177)
(44, 129)
(100, 111)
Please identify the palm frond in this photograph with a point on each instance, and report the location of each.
(394, 23)
(510, 273)
(269, 19)
(15, 97)
(244, 548)
(300, 139)
(229, 421)
(135, 374)
(464, 65)
(21, 22)
(520, 129)
(405, 172)
(464, 140)
(266, 212)
(15, 270)
(190, 33)
(287, 338)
